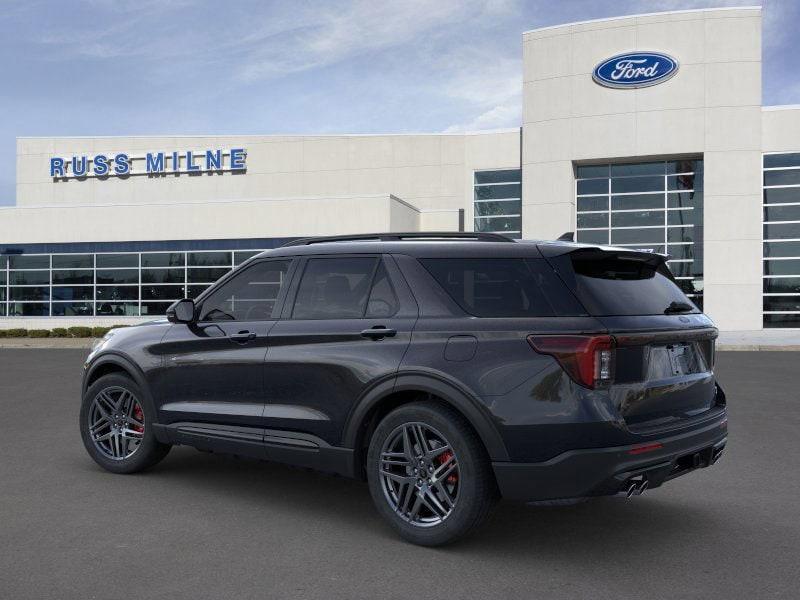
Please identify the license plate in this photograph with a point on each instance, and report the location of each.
(678, 358)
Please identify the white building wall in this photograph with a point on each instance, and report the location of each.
(712, 107)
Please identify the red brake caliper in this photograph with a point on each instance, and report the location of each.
(139, 416)
(452, 479)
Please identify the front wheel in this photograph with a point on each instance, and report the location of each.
(116, 426)
(429, 474)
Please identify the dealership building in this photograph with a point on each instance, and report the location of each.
(642, 131)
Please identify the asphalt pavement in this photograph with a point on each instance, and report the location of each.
(204, 526)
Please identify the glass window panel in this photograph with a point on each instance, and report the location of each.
(680, 234)
(3, 262)
(2, 294)
(782, 213)
(680, 251)
(206, 275)
(781, 195)
(593, 203)
(29, 277)
(250, 294)
(117, 292)
(683, 217)
(162, 292)
(163, 275)
(2, 309)
(111, 261)
(28, 309)
(499, 224)
(637, 219)
(592, 186)
(29, 293)
(782, 285)
(73, 276)
(690, 286)
(73, 309)
(776, 321)
(117, 276)
(193, 291)
(781, 231)
(637, 184)
(163, 259)
(585, 171)
(2, 278)
(681, 269)
(637, 236)
(85, 292)
(641, 201)
(483, 209)
(658, 248)
(117, 309)
(649, 168)
(593, 236)
(382, 299)
(242, 255)
(782, 267)
(684, 182)
(781, 249)
(493, 192)
(73, 261)
(685, 199)
(29, 261)
(782, 303)
(502, 176)
(593, 220)
(787, 177)
(334, 288)
(782, 160)
(210, 259)
(684, 166)
(154, 309)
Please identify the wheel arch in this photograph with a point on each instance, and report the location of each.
(408, 388)
(107, 364)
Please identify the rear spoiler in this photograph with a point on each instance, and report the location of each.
(553, 250)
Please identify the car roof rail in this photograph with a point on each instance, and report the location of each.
(476, 236)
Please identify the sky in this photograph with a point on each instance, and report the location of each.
(155, 67)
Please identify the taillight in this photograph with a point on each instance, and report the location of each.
(588, 359)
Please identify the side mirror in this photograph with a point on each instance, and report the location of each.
(181, 311)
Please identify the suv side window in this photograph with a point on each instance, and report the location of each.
(382, 299)
(335, 288)
(249, 295)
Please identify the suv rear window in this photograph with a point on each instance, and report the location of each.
(504, 287)
(608, 284)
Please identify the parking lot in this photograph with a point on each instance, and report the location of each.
(204, 526)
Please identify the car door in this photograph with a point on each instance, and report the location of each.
(345, 327)
(213, 367)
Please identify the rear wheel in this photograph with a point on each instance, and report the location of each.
(115, 424)
(428, 474)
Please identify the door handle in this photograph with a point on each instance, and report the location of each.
(242, 337)
(378, 333)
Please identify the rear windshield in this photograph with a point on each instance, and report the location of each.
(504, 287)
(608, 284)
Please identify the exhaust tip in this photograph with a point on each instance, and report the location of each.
(632, 487)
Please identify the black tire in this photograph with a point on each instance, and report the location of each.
(476, 490)
(149, 450)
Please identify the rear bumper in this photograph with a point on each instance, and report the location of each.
(606, 471)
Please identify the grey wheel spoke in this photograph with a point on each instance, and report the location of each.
(131, 434)
(408, 447)
(432, 502)
(112, 423)
(398, 478)
(445, 469)
(105, 436)
(414, 512)
(446, 497)
(395, 458)
(436, 452)
(129, 420)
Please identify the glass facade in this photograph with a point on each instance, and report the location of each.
(113, 284)
(781, 277)
(498, 202)
(654, 206)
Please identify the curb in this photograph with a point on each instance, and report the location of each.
(47, 343)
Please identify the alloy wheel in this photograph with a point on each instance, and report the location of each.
(419, 474)
(116, 423)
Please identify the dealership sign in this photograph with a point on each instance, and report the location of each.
(120, 164)
(635, 70)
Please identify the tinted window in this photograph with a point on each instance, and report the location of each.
(503, 287)
(249, 295)
(608, 284)
(382, 299)
(334, 288)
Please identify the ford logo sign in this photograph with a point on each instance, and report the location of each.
(635, 70)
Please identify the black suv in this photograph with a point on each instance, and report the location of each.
(445, 369)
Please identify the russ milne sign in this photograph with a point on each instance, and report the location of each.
(121, 164)
(635, 70)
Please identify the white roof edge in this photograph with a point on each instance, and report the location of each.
(782, 107)
(652, 14)
(262, 135)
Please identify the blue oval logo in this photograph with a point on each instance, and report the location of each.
(635, 70)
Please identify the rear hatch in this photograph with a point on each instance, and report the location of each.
(663, 356)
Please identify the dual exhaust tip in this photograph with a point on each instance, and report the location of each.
(636, 487)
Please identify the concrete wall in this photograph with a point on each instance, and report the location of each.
(711, 107)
